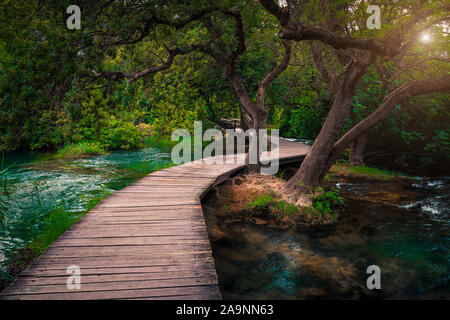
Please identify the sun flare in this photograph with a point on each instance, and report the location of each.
(426, 37)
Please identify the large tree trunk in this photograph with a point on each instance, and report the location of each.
(356, 157)
(311, 168)
(259, 122)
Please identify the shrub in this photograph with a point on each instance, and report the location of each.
(120, 135)
(145, 129)
(161, 142)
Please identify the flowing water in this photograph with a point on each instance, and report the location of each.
(402, 227)
(39, 184)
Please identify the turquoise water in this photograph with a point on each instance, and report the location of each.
(39, 184)
(401, 227)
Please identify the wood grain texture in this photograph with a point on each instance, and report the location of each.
(146, 241)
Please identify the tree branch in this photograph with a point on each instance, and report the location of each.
(401, 94)
(274, 73)
(133, 76)
(323, 70)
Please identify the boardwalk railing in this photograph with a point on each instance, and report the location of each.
(146, 241)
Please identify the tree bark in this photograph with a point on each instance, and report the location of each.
(312, 167)
(356, 157)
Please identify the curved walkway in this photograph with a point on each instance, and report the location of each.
(146, 241)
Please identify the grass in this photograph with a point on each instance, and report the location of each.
(81, 149)
(374, 172)
(261, 202)
(56, 223)
(269, 203)
(284, 208)
(6, 189)
(342, 168)
(318, 214)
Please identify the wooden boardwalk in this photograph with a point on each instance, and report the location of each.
(146, 241)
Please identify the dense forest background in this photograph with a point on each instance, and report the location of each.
(49, 99)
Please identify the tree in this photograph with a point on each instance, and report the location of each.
(213, 24)
(355, 55)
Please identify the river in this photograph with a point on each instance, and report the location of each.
(39, 184)
(400, 226)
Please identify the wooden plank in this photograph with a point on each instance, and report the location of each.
(46, 281)
(164, 293)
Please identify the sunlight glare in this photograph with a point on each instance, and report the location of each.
(426, 37)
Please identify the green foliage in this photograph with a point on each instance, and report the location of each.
(160, 142)
(415, 136)
(306, 122)
(284, 208)
(325, 201)
(120, 135)
(58, 221)
(81, 149)
(270, 204)
(261, 202)
(48, 98)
